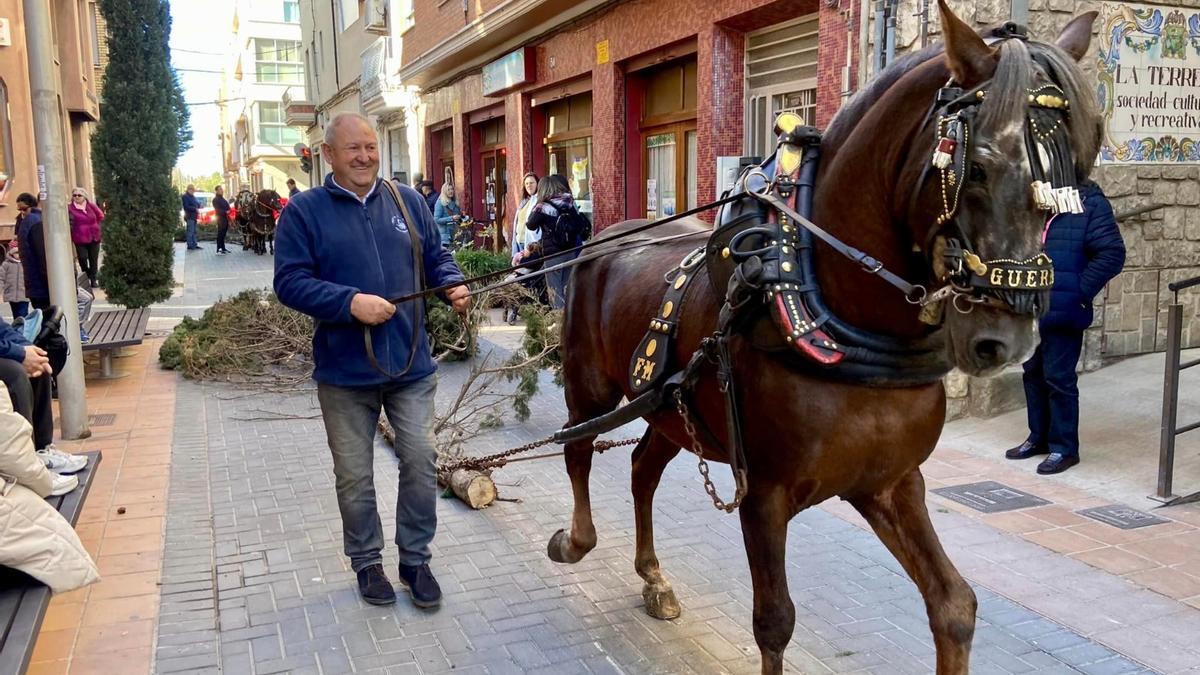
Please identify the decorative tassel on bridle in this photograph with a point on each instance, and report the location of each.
(1051, 160)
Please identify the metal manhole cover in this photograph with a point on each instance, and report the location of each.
(1122, 516)
(105, 420)
(990, 497)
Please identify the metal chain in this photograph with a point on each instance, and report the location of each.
(501, 458)
(709, 486)
(491, 461)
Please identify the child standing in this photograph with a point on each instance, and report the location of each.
(12, 281)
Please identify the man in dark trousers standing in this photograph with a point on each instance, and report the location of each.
(292, 189)
(1088, 251)
(191, 213)
(341, 249)
(221, 206)
(31, 242)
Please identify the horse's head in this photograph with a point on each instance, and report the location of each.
(270, 199)
(1012, 131)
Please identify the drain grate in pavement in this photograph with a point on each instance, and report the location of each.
(1122, 516)
(104, 420)
(990, 497)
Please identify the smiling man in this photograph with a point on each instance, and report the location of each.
(340, 251)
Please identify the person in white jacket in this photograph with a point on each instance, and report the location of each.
(34, 537)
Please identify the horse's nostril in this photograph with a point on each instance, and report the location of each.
(991, 351)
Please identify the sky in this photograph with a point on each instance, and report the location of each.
(199, 37)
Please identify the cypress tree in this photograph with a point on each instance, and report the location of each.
(143, 130)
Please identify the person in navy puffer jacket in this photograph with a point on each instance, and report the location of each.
(1087, 251)
(340, 251)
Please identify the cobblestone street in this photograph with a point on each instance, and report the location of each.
(255, 500)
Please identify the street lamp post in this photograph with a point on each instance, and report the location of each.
(60, 261)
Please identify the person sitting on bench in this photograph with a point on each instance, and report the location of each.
(25, 370)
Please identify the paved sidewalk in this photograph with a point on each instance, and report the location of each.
(261, 586)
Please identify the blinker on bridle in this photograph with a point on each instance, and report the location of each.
(1019, 285)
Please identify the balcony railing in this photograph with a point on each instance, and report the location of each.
(380, 89)
(297, 110)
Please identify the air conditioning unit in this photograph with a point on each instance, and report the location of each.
(375, 16)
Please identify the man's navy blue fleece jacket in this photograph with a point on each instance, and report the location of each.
(1087, 251)
(330, 246)
(12, 343)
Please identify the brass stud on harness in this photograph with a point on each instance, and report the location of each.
(667, 309)
(787, 266)
(725, 252)
(651, 347)
(680, 281)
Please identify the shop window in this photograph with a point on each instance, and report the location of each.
(272, 130)
(278, 61)
(669, 139)
(492, 132)
(670, 91)
(568, 145)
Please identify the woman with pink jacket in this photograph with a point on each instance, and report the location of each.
(85, 232)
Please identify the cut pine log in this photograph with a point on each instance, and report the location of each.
(474, 488)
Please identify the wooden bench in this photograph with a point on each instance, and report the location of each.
(23, 599)
(112, 329)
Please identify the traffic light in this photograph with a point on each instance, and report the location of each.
(305, 154)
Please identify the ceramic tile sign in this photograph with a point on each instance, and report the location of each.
(990, 497)
(1148, 83)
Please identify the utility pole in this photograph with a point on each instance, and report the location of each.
(60, 262)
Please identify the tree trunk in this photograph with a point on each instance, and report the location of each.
(474, 488)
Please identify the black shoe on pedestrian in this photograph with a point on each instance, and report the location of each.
(419, 581)
(1057, 463)
(1026, 450)
(374, 586)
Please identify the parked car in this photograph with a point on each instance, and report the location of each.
(208, 214)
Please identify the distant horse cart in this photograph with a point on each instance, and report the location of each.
(809, 354)
(256, 219)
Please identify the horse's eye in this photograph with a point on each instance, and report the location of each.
(977, 175)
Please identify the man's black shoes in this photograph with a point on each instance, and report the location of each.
(1057, 463)
(1026, 450)
(374, 586)
(421, 585)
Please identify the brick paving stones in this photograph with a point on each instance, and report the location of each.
(256, 581)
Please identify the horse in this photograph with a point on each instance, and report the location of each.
(808, 436)
(256, 219)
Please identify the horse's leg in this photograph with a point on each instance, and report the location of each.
(650, 457)
(589, 399)
(765, 515)
(900, 518)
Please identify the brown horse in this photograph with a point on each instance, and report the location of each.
(808, 438)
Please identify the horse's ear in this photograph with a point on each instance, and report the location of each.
(1075, 38)
(971, 61)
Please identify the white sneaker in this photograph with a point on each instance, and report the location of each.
(60, 462)
(61, 485)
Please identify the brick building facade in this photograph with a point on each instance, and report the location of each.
(632, 101)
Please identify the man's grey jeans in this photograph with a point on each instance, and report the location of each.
(351, 418)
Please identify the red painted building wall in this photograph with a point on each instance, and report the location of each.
(632, 31)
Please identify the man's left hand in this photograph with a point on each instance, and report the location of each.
(460, 298)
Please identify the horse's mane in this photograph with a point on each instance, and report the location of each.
(1015, 73)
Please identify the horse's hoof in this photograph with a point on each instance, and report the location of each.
(558, 541)
(661, 604)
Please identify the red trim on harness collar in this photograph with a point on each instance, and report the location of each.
(803, 343)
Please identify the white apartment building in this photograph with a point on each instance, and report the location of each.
(351, 52)
(264, 69)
